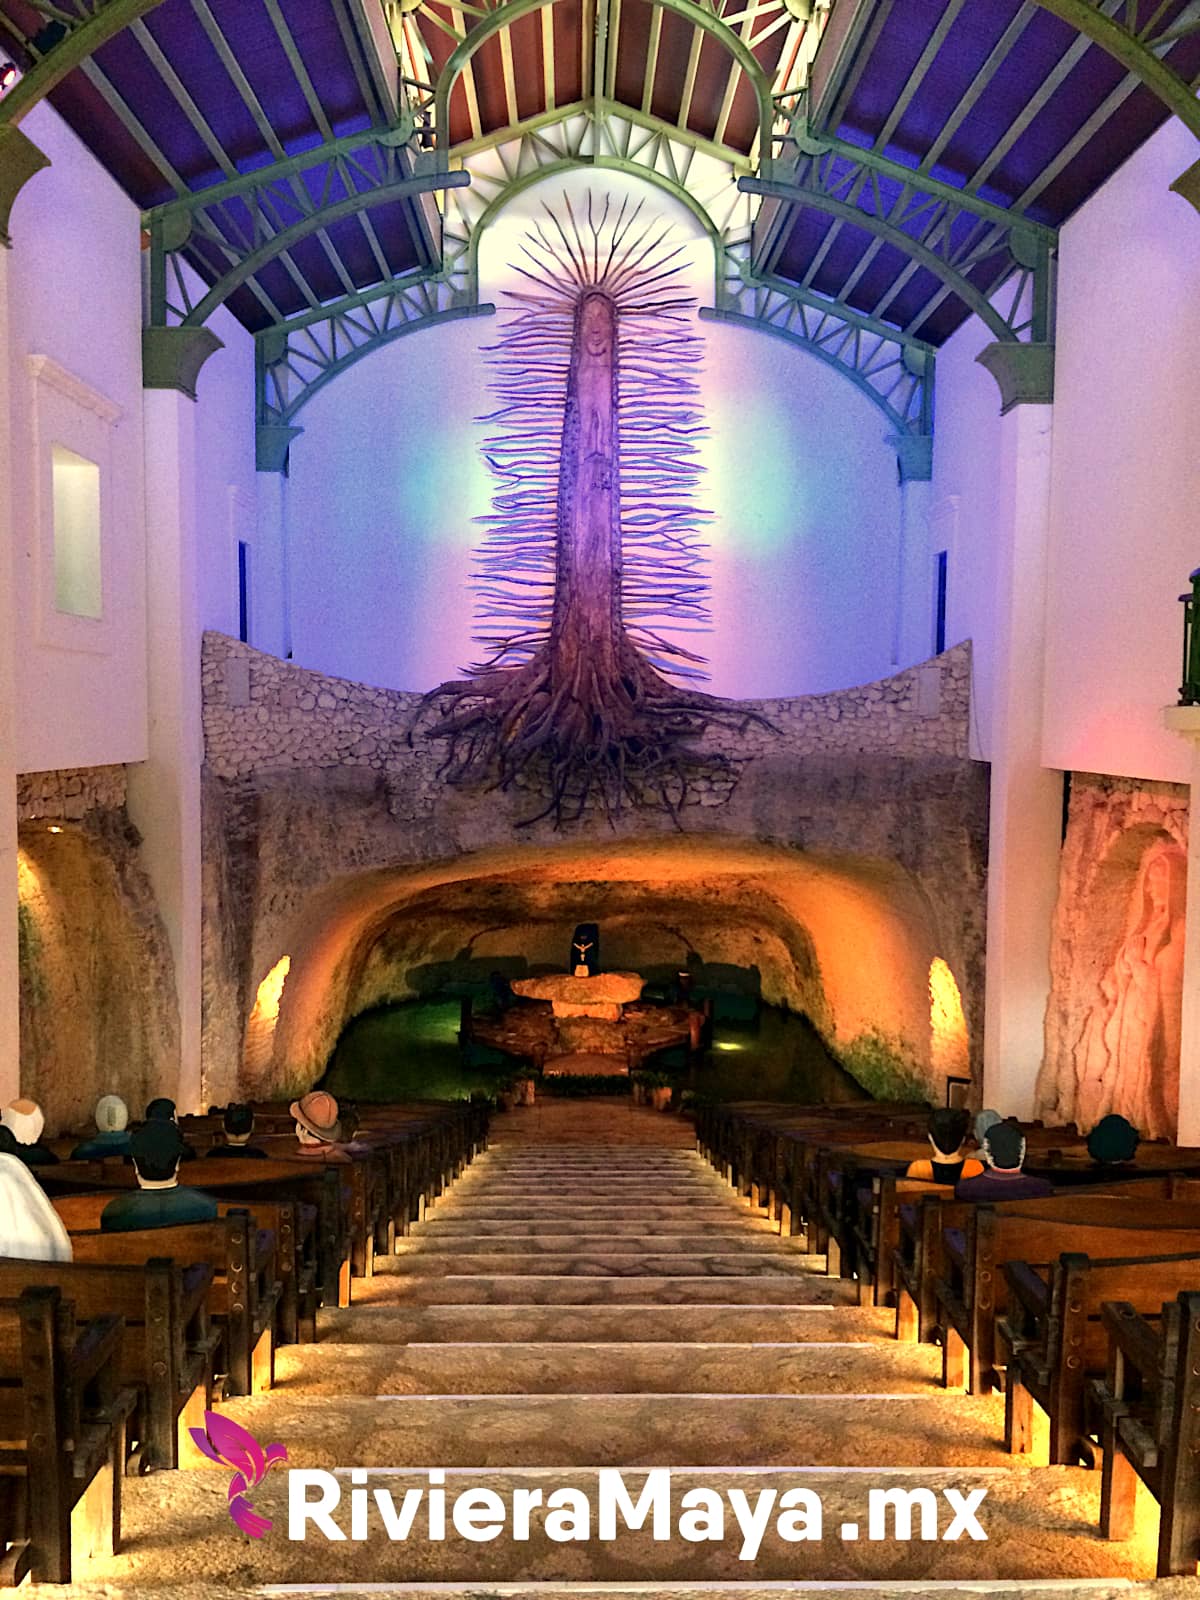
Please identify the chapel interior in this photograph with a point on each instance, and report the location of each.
(600, 672)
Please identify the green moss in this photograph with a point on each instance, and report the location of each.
(886, 1067)
(29, 954)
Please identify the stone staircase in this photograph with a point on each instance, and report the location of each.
(589, 1295)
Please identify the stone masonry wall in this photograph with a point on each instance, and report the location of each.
(68, 795)
(264, 713)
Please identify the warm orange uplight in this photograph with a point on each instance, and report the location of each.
(260, 1030)
(270, 991)
(53, 828)
(28, 882)
(949, 1052)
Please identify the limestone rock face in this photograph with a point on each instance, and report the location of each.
(97, 980)
(1112, 1024)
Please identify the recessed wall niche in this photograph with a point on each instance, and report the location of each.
(72, 531)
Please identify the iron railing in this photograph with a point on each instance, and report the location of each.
(1189, 690)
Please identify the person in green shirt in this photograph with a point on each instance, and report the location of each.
(158, 1201)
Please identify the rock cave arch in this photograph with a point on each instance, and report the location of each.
(848, 941)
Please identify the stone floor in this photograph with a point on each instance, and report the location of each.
(589, 1295)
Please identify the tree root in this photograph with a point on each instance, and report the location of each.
(585, 737)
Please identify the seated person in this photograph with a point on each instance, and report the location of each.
(163, 1110)
(158, 1201)
(948, 1128)
(983, 1121)
(112, 1131)
(238, 1122)
(318, 1127)
(1113, 1142)
(30, 1228)
(1003, 1151)
(24, 1120)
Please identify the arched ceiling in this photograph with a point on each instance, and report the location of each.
(908, 161)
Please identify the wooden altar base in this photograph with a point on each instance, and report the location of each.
(586, 1064)
(530, 1031)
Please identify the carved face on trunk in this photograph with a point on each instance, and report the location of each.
(596, 325)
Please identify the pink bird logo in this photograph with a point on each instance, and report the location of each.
(230, 1445)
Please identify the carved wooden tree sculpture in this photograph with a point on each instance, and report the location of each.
(592, 546)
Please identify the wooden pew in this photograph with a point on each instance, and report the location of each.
(847, 1203)
(1057, 1344)
(242, 1296)
(972, 1290)
(248, 1183)
(858, 1199)
(746, 1140)
(63, 1413)
(168, 1349)
(1150, 1398)
(813, 1199)
(926, 1211)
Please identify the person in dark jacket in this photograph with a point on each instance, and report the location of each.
(1004, 1153)
(1112, 1144)
(948, 1129)
(238, 1122)
(163, 1110)
(112, 1135)
(25, 1121)
(158, 1201)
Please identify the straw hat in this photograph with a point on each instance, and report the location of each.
(318, 1113)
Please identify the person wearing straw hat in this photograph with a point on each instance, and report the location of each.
(318, 1126)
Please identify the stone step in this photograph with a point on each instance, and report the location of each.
(1033, 1537)
(366, 1322)
(444, 1226)
(603, 1263)
(632, 1589)
(524, 1288)
(934, 1429)
(594, 1161)
(462, 1206)
(594, 1191)
(647, 1241)
(636, 1368)
(681, 1165)
(640, 1183)
(685, 1170)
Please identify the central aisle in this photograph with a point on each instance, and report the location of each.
(592, 1294)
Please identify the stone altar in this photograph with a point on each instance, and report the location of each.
(602, 997)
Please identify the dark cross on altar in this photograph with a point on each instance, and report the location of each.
(585, 950)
